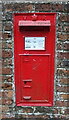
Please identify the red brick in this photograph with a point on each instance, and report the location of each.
(66, 8)
(0, 63)
(59, 46)
(0, 22)
(7, 62)
(6, 45)
(65, 63)
(0, 94)
(18, 7)
(7, 94)
(7, 86)
(62, 36)
(6, 35)
(29, 7)
(0, 109)
(63, 72)
(58, 7)
(59, 28)
(7, 78)
(23, 7)
(62, 28)
(1, 69)
(27, 110)
(5, 108)
(0, 78)
(9, 7)
(6, 71)
(60, 63)
(62, 103)
(66, 46)
(67, 111)
(9, 45)
(7, 101)
(55, 111)
(49, 7)
(66, 28)
(62, 88)
(0, 116)
(0, 34)
(8, 27)
(0, 101)
(6, 54)
(64, 81)
(0, 45)
(64, 17)
(65, 96)
(0, 53)
(8, 10)
(62, 55)
(44, 7)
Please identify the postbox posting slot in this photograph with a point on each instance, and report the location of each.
(34, 23)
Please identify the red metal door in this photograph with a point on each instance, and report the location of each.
(34, 49)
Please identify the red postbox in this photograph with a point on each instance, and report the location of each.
(34, 52)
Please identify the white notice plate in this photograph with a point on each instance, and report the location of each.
(34, 43)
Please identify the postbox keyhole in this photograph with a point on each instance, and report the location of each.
(25, 82)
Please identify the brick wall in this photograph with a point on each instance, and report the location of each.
(60, 110)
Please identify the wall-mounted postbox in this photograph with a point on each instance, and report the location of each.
(34, 49)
